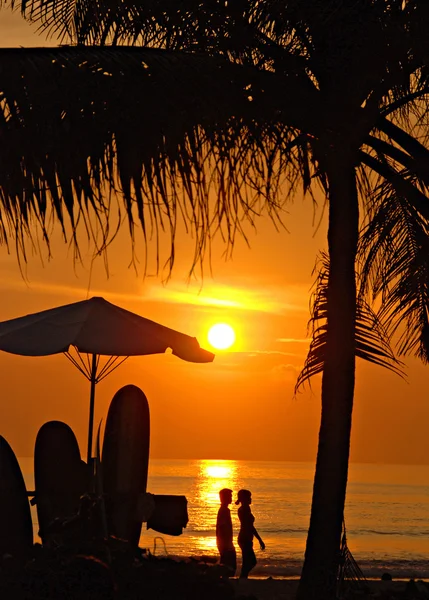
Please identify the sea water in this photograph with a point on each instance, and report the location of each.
(386, 515)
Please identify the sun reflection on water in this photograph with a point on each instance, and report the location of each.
(218, 471)
(213, 475)
(205, 545)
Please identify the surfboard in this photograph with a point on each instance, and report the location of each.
(16, 527)
(60, 475)
(125, 460)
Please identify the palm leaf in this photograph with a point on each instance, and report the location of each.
(306, 39)
(395, 255)
(394, 245)
(165, 130)
(214, 23)
(372, 343)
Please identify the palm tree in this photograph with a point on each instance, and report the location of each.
(171, 102)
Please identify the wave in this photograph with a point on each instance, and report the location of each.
(210, 532)
(409, 533)
(304, 531)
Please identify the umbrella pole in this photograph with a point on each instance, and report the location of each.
(91, 406)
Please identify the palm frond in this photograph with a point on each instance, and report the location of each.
(394, 245)
(371, 341)
(295, 37)
(394, 251)
(213, 26)
(174, 134)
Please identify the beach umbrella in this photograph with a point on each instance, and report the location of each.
(95, 328)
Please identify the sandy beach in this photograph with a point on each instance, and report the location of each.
(285, 589)
(266, 589)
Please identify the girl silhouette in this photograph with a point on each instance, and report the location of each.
(247, 532)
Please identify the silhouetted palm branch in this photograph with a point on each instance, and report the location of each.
(395, 249)
(372, 342)
(217, 25)
(166, 131)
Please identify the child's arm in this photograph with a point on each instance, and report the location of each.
(258, 537)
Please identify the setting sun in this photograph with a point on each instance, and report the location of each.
(221, 336)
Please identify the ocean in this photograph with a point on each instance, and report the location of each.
(387, 512)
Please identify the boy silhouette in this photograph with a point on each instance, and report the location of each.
(224, 537)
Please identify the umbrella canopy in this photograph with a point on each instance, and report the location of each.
(95, 327)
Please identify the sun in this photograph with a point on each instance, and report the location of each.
(221, 336)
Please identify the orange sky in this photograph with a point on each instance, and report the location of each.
(240, 406)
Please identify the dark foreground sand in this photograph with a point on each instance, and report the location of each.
(266, 589)
(285, 589)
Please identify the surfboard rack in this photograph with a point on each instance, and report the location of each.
(119, 487)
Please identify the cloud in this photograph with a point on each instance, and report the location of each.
(268, 362)
(285, 368)
(274, 299)
(286, 371)
(278, 352)
(294, 340)
(241, 294)
(78, 292)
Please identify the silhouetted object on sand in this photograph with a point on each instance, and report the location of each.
(78, 532)
(60, 477)
(224, 533)
(51, 576)
(170, 514)
(95, 327)
(124, 466)
(416, 590)
(350, 577)
(247, 533)
(86, 578)
(16, 530)
(125, 460)
(57, 576)
(106, 502)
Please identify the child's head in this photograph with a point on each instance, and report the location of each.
(225, 496)
(244, 497)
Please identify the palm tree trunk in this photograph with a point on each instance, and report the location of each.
(318, 578)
